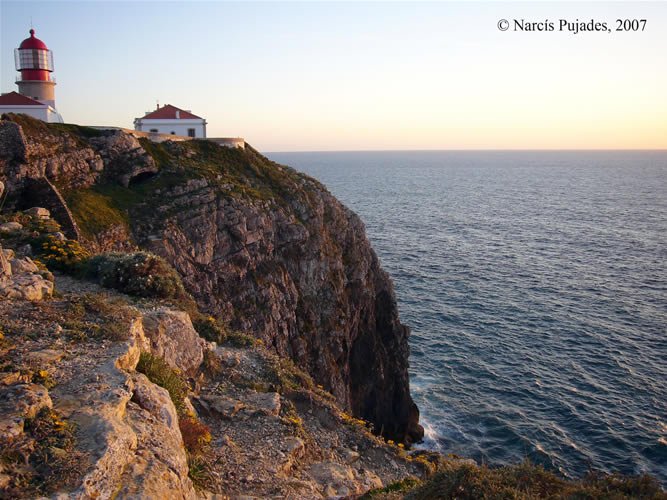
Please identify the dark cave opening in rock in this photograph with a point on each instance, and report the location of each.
(141, 178)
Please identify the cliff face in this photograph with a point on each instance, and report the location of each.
(264, 248)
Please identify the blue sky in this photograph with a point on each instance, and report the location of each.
(349, 76)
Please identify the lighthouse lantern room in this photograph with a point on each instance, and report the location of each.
(36, 95)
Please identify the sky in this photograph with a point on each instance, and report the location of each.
(320, 76)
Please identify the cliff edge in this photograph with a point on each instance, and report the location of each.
(261, 247)
(116, 383)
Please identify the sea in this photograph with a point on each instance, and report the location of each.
(535, 287)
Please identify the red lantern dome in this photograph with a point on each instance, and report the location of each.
(33, 42)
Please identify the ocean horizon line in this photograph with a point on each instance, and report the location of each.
(472, 150)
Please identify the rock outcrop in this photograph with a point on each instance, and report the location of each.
(127, 443)
(21, 278)
(76, 409)
(19, 402)
(262, 247)
(171, 336)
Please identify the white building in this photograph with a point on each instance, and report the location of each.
(14, 102)
(169, 119)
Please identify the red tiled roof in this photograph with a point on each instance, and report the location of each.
(168, 112)
(16, 99)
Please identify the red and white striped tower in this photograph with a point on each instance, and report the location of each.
(35, 62)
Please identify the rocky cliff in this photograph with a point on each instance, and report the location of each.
(260, 246)
(107, 386)
(106, 395)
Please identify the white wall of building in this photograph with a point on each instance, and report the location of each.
(174, 127)
(44, 113)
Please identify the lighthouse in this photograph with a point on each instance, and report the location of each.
(35, 62)
(36, 95)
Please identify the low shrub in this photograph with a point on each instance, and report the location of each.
(37, 224)
(43, 377)
(199, 472)
(141, 274)
(67, 256)
(240, 339)
(196, 435)
(44, 460)
(287, 376)
(209, 328)
(159, 372)
(402, 486)
(523, 481)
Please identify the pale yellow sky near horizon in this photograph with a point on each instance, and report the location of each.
(360, 76)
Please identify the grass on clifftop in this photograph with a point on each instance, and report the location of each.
(242, 174)
(524, 481)
(237, 173)
(95, 211)
(39, 129)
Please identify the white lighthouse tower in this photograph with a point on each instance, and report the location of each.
(36, 95)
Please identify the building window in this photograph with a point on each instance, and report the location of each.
(154, 130)
(191, 132)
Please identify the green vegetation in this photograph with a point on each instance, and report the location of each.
(34, 127)
(402, 486)
(236, 338)
(141, 274)
(526, 481)
(103, 206)
(95, 212)
(81, 318)
(287, 376)
(50, 248)
(236, 172)
(209, 328)
(30, 126)
(94, 316)
(196, 435)
(44, 460)
(43, 377)
(159, 154)
(199, 472)
(241, 173)
(159, 372)
(80, 130)
(36, 224)
(60, 254)
(233, 172)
